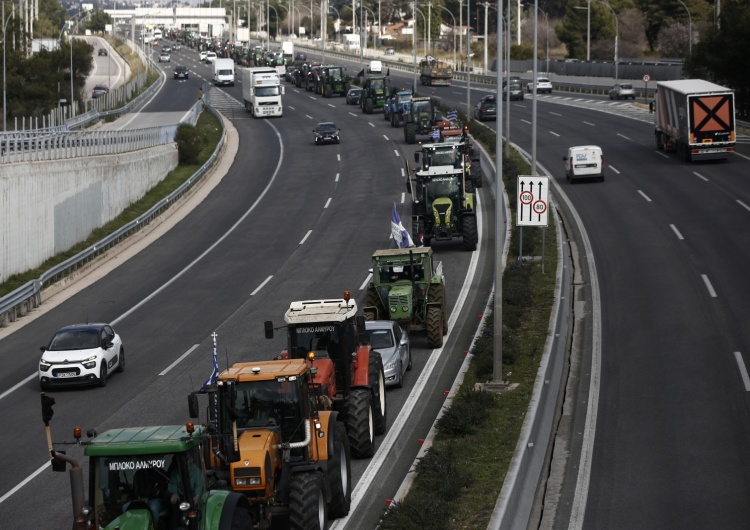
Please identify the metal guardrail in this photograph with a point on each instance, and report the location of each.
(28, 296)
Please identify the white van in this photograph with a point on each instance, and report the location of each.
(584, 162)
(375, 67)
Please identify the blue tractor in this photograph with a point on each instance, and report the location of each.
(396, 106)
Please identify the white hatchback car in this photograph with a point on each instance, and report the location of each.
(202, 56)
(82, 354)
(543, 84)
(389, 338)
(210, 57)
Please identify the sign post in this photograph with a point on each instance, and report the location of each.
(646, 79)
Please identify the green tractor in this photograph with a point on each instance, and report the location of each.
(373, 94)
(145, 478)
(406, 288)
(442, 205)
(333, 81)
(422, 116)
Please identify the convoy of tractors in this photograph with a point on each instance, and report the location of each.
(277, 436)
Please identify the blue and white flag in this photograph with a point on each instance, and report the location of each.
(452, 115)
(212, 378)
(435, 135)
(399, 233)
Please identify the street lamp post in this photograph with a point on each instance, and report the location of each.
(5, 104)
(588, 27)
(690, 28)
(617, 34)
(454, 33)
(486, 9)
(546, 21)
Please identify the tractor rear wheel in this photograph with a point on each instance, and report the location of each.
(373, 300)
(434, 327)
(327, 90)
(307, 502)
(437, 297)
(368, 106)
(469, 232)
(340, 474)
(410, 133)
(359, 423)
(376, 375)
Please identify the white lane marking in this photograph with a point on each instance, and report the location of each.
(710, 287)
(745, 206)
(371, 124)
(24, 482)
(367, 280)
(403, 173)
(17, 386)
(396, 151)
(179, 360)
(403, 197)
(384, 136)
(645, 196)
(554, 133)
(661, 154)
(337, 178)
(332, 105)
(589, 123)
(743, 372)
(700, 176)
(623, 136)
(292, 108)
(555, 113)
(312, 97)
(526, 121)
(306, 236)
(309, 116)
(355, 115)
(676, 232)
(338, 157)
(614, 169)
(257, 289)
(328, 202)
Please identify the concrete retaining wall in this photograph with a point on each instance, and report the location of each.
(47, 207)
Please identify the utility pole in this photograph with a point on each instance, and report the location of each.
(429, 27)
(486, 9)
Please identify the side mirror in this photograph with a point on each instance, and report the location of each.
(565, 158)
(268, 325)
(43, 348)
(193, 406)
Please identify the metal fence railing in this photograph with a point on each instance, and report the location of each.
(28, 296)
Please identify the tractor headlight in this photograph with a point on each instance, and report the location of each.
(405, 308)
(251, 481)
(393, 309)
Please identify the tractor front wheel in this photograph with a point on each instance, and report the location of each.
(327, 91)
(410, 133)
(373, 300)
(437, 297)
(307, 502)
(434, 327)
(340, 474)
(359, 423)
(469, 232)
(376, 375)
(368, 106)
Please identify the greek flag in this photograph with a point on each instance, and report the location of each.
(399, 233)
(435, 135)
(452, 115)
(212, 378)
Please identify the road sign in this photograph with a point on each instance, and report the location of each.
(533, 201)
(646, 78)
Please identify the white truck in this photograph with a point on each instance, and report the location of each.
(262, 91)
(224, 72)
(287, 48)
(695, 118)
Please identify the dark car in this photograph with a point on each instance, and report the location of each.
(181, 72)
(103, 51)
(486, 109)
(166, 48)
(99, 90)
(290, 73)
(326, 133)
(515, 91)
(300, 57)
(354, 96)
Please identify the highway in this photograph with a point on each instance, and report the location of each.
(654, 422)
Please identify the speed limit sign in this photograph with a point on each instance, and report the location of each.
(646, 78)
(533, 200)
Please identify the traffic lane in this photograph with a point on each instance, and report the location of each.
(653, 340)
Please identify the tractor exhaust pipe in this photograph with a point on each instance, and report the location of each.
(298, 445)
(76, 489)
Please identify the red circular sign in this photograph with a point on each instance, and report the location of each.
(540, 207)
(526, 197)
(646, 78)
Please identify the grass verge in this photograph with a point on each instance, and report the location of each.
(207, 128)
(460, 477)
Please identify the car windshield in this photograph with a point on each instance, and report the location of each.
(380, 338)
(326, 128)
(267, 91)
(85, 339)
(515, 88)
(335, 73)
(403, 98)
(443, 157)
(441, 187)
(377, 84)
(626, 87)
(322, 339)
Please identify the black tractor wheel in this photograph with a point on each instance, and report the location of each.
(368, 106)
(327, 91)
(359, 423)
(373, 300)
(340, 474)
(469, 232)
(121, 361)
(437, 297)
(235, 514)
(376, 375)
(434, 327)
(410, 133)
(307, 502)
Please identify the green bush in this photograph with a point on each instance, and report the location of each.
(417, 512)
(189, 144)
(468, 413)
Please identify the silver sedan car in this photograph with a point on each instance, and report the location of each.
(388, 338)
